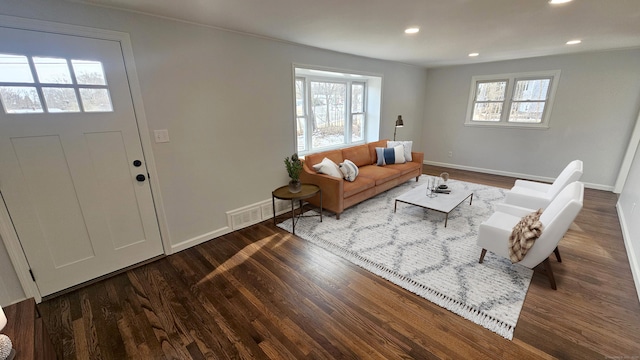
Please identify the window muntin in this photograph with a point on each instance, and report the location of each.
(330, 110)
(516, 100)
(54, 85)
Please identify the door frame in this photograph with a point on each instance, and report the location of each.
(7, 230)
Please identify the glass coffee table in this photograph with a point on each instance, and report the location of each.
(443, 203)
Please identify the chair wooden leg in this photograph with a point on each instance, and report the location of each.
(547, 269)
(557, 252)
(482, 254)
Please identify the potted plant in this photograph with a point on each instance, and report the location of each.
(294, 167)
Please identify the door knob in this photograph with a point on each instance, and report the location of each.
(140, 177)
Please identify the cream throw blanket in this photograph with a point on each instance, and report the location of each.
(523, 235)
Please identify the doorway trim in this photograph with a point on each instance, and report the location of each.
(7, 231)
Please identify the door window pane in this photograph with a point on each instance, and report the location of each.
(52, 70)
(89, 72)
(15, 69)
(60, 99)
(95, 100)
(20, 99)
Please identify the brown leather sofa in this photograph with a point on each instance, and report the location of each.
(339, 194)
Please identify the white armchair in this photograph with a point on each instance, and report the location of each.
(556, 218)
(536, 195)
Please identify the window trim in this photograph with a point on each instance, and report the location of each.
(370, 110)
(511, 79)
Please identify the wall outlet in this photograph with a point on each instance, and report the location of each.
(450, 153)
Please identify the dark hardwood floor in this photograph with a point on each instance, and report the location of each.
(263, 293)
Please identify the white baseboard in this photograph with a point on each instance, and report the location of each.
(512, 174)
(200, 239)
(633, 261)
(238, 219)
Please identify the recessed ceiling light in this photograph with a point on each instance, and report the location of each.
(474, 54)
(573, 42)
(555, 2)
(411, 30)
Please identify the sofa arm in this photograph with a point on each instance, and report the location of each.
(332, 189)
(417, 157)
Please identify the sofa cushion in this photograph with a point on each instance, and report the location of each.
(359, 185)
(328, 167)
(407, 148)
(334, 155)
(358, 154)
(406, 167)
(379, 174)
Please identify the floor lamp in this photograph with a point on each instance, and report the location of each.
(399, 123)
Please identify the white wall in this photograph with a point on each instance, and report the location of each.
(629, 214)
(594, 112)
(227, 101)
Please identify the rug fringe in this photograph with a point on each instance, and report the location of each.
(475, 315)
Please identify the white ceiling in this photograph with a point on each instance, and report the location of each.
(449, 29)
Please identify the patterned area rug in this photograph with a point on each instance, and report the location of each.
(413, 249)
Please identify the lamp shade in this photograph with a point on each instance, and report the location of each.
(3, 319)
(399, 122)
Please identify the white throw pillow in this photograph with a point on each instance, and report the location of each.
(349, 170)
(327, 166)
(407, 148)
(399, 155)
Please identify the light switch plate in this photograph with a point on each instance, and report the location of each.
(161, 136)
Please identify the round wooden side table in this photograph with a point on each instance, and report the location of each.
(283, 193)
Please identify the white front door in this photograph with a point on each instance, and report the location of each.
(72, 171)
